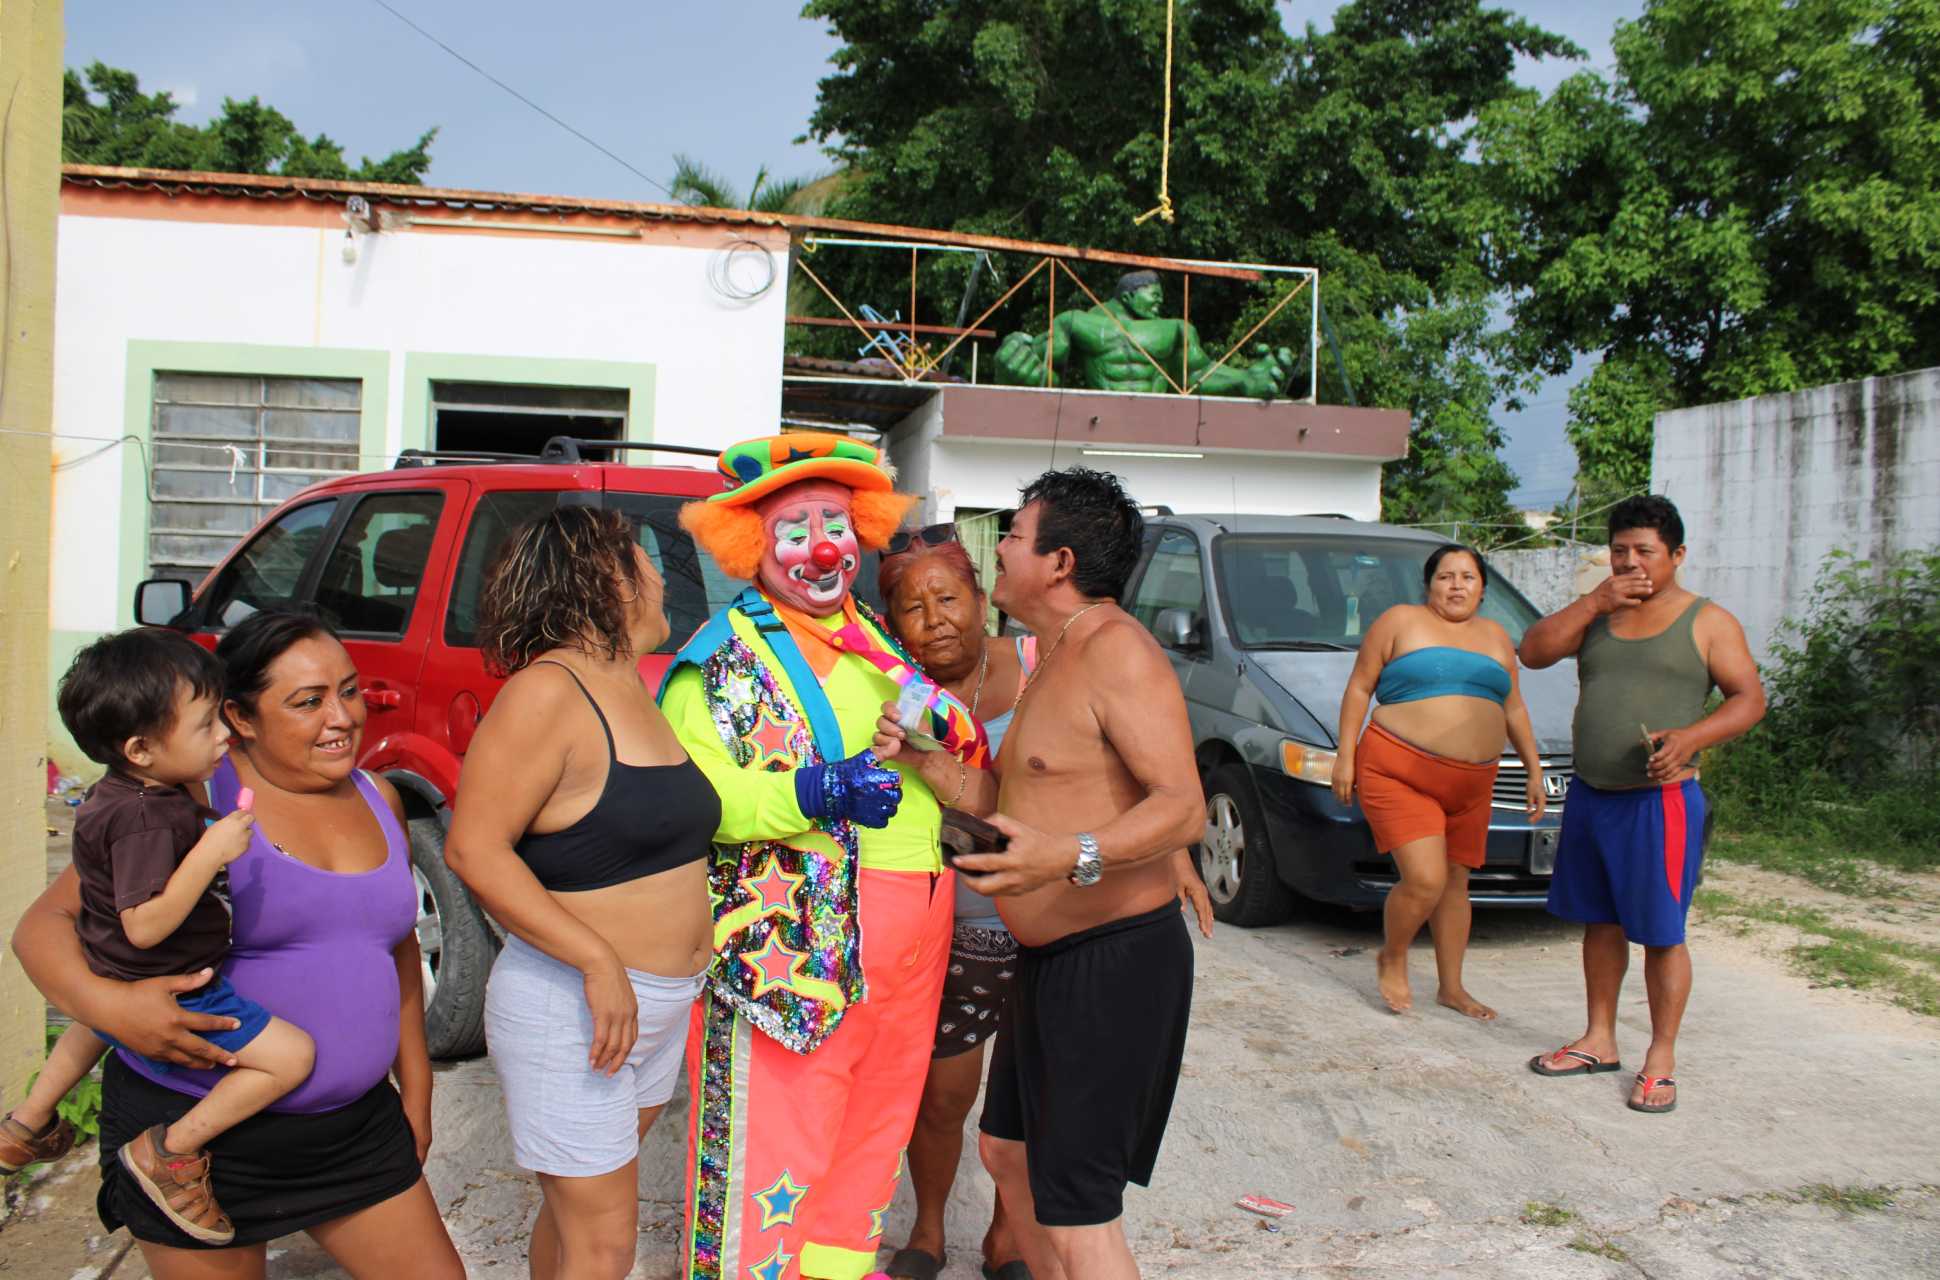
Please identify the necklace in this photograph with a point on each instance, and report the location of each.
(983, 669)
(1046, 659)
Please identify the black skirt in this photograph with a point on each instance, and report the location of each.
(273, 1174)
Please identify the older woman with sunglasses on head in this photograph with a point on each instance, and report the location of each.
(936, 608)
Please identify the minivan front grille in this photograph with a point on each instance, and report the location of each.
(1511, 780)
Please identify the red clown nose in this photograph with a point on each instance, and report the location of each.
(825, 555)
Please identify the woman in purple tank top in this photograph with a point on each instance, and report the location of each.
(323, 936)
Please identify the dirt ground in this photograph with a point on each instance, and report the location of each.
(1415, 1144)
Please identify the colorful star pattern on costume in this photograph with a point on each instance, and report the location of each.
(778, 1202)
(768, 740)
(774, 965)
(876, 1216)
(774, 890)
(772, 1267)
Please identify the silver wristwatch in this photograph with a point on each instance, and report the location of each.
(1090, 866)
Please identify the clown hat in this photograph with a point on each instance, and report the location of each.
(758, 467)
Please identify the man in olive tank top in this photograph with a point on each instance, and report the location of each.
(1648, 653)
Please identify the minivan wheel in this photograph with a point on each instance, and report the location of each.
(455, 946)
(1235, 860)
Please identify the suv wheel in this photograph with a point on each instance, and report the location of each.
(1235, 860)
(455, 945)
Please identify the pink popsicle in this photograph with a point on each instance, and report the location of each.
(246, 799)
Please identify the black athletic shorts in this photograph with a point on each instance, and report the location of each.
(274, 1174)
(1087, 1060)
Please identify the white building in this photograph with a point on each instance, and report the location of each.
(222, 341)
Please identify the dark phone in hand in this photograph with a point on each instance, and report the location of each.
(966, 833)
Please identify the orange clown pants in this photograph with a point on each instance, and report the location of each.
(793, 1158)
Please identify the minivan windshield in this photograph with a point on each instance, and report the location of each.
(1306, 591)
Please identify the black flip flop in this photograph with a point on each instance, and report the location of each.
(915, 1264)
(1016, 1269)
(1591, 1064)
(1649, 1083)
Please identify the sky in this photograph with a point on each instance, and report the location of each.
(645, 79)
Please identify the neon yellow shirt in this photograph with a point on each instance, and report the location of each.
(759, 805)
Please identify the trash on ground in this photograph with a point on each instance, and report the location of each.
(1260, 1204)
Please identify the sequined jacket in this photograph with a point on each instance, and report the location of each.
(787, 935)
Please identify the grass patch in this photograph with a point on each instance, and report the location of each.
(1841, 955)
(1853, 1199)
(1806, 860)
(1540, 1213)
(1601, 1248)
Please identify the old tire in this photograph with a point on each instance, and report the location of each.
(456, 945)
(1235, 859)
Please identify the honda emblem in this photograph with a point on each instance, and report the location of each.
(1554, 786)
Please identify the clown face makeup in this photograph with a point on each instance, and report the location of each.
(810, 555)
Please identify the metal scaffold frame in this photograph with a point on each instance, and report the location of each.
(915, 363)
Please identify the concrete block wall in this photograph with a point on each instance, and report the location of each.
(1769, 486)
(1546, 576)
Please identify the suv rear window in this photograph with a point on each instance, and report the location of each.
(696, 588)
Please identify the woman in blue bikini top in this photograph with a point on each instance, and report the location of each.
(1425, 767)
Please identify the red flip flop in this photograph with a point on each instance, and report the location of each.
(1590, 1064)
(1649, 1083)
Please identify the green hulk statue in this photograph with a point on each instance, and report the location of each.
(1105, 359)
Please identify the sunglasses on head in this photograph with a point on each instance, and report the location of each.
(931, 535)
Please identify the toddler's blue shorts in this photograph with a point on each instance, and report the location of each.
(1631, 858)
(219, 997)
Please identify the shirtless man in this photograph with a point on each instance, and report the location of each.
(1096, 788)
(1648, 654)
(1102, 344)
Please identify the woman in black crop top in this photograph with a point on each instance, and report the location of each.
(583, 828)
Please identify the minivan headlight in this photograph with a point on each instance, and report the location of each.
(1309, 764)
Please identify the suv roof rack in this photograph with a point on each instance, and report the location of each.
(567, 449)
(558, 449)
(430, 457)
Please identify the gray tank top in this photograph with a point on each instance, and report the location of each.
(1661, 681)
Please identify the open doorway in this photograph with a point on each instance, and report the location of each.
(504, 417)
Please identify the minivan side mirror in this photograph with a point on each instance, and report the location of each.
(1176, 629)
(160, 601)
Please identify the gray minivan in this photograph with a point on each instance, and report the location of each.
(1262, 617)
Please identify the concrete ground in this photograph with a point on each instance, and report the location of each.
(1410, 1144)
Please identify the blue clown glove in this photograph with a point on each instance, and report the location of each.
(858, 789)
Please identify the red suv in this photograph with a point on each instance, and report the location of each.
(397, 558)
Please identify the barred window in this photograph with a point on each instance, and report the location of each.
(227, 449)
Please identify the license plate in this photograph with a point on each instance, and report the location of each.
(1542, 852)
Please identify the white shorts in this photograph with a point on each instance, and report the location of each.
(566, 1118)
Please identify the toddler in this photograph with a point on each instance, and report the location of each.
(144, 703)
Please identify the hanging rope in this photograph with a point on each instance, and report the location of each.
(1164, 207)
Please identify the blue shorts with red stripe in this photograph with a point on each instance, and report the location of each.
(1630, 858)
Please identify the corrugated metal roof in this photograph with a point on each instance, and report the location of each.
(274, 187)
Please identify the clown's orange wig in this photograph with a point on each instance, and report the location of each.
(735, 535)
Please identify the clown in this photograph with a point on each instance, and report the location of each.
(833, 910)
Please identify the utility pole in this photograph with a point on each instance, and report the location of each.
(31, 42)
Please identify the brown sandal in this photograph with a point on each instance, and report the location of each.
(179, 1186)
(21, 1146)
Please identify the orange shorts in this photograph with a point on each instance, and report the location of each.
(1409, 794)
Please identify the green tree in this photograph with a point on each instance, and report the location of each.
(1751, 204)
(139, 130)
(1343, 150)
(696, 184)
